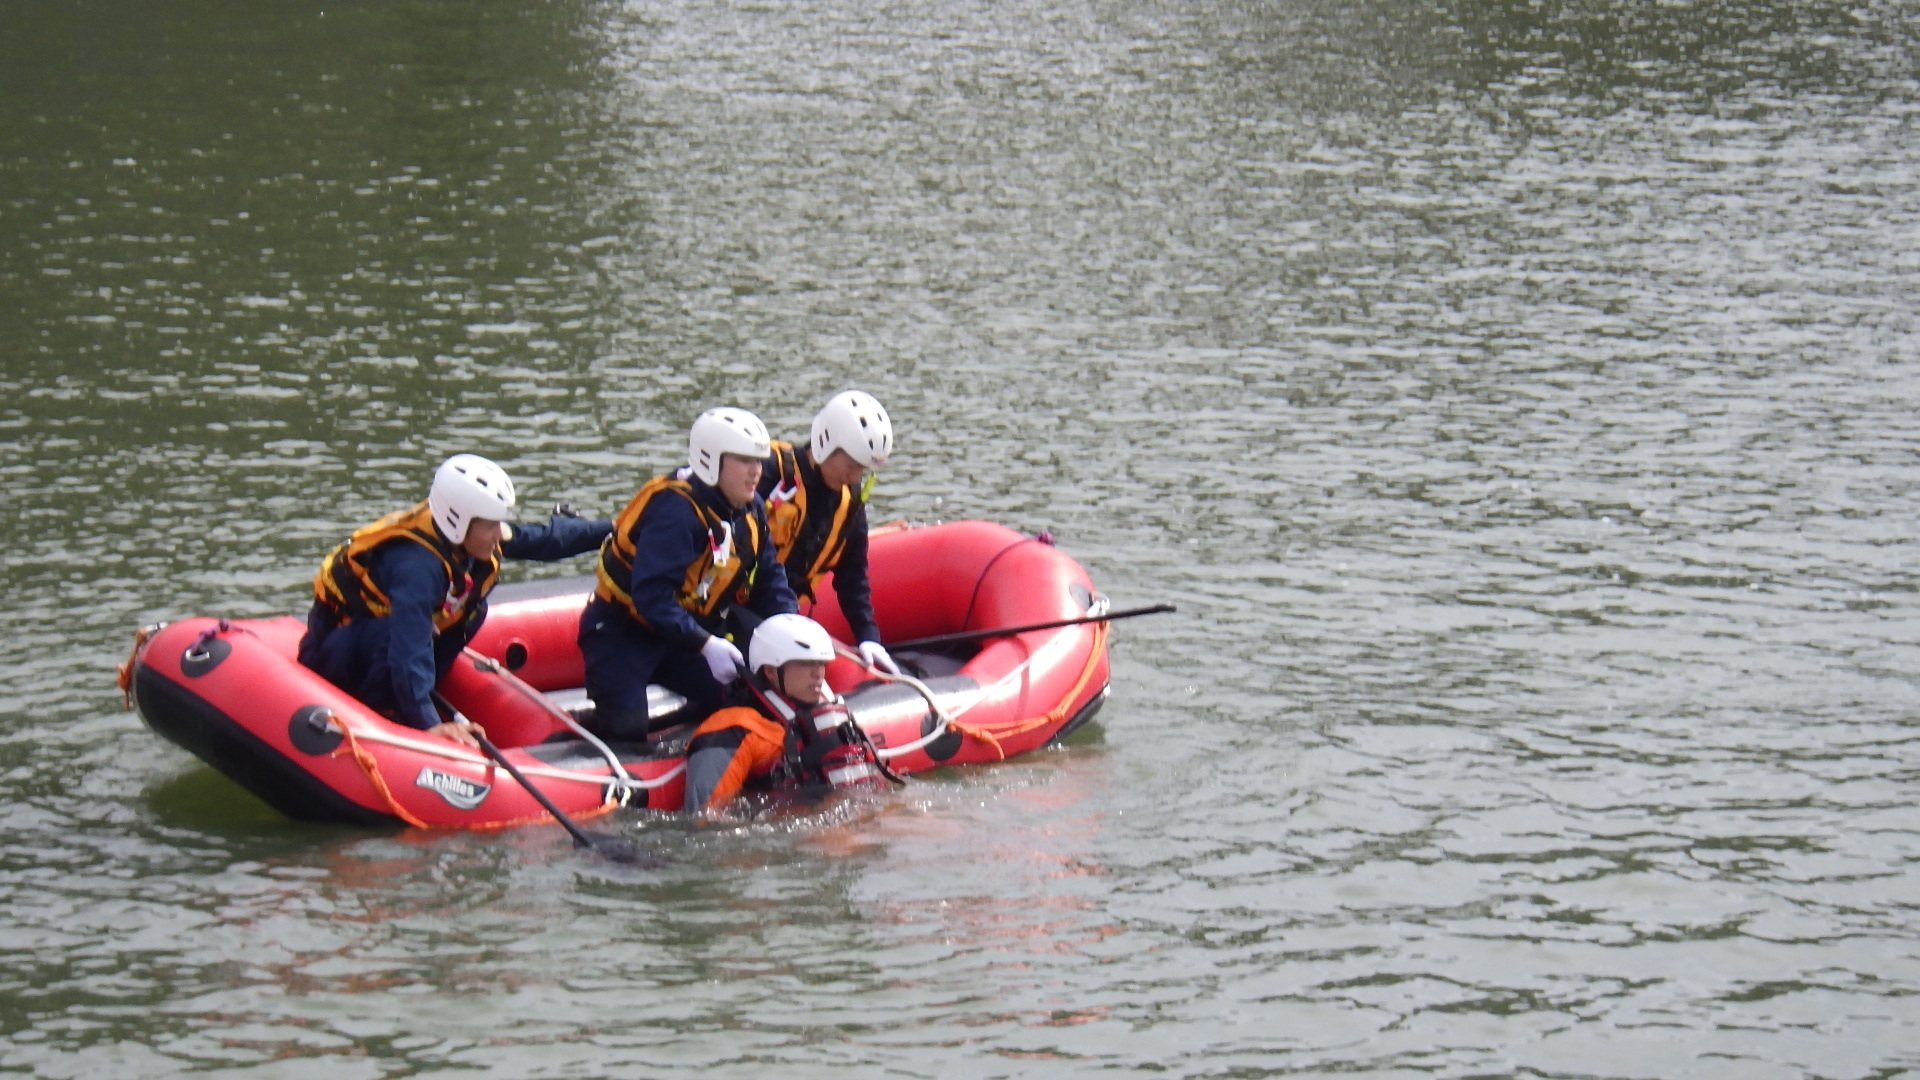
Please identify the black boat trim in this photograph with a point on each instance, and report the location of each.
(1085, 714)
(189, 721)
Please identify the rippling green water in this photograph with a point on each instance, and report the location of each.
(1518, 399)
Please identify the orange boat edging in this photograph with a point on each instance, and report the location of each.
(1058, 714)
(232, 693)
(370, 765)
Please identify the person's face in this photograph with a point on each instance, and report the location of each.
(739, 476)
(483, 538)
(804, 681)
(840, 470)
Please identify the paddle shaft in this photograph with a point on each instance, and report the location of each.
(581, 838)
(1008, 631)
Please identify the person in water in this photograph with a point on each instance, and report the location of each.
(690, 549)
(788, 725)
(395, 603)
(817, 509)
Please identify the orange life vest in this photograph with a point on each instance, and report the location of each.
(345, 583)
(787, 512)
(724, 572)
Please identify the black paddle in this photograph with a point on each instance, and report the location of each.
(611, 848)
(1008, 631)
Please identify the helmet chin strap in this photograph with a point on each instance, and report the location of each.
(772, 698)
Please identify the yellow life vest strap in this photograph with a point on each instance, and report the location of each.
(787, 519)
(345, 581)
(724, 573)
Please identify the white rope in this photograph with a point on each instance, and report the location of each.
(453, 753)
(933, 703)
(620, 776)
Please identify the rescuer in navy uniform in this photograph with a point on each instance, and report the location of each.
(689, 549)
(397, 601)
(817, 509)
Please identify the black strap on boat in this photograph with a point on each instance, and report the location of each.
(873, 753)
(197, 648)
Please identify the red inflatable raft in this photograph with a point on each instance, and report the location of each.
(232, 693)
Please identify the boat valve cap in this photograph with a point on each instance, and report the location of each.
(312, 730)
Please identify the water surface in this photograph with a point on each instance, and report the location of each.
(1518, 400)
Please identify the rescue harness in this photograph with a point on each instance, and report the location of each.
(825, 747)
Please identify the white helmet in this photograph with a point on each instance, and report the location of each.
(853, 421)
(785, 638)
(724, 431)
(468, 486)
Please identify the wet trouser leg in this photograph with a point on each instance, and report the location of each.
(622, 657)
(354, 658)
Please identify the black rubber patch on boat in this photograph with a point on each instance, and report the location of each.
(516, 656)
(203, 657)
(311, 731)
(1085, 714)
(944, 747)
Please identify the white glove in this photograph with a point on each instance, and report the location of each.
(876, 656)
(722, 659)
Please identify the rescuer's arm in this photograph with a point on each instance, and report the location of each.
(850, 579)
(416, 584)
(669, 539)
(561, 537)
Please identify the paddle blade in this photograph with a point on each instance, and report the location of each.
(621, 850)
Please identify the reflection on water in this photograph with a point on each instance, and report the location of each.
(1513, 397)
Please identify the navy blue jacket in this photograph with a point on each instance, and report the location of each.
(416, 583)
(670, 537)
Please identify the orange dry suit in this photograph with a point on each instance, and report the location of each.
(769, 741)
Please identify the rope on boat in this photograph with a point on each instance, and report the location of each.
(454, 753)
(371, 766)
(123, 675)
(991, 734)
(941, 716)
(1054, 715)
